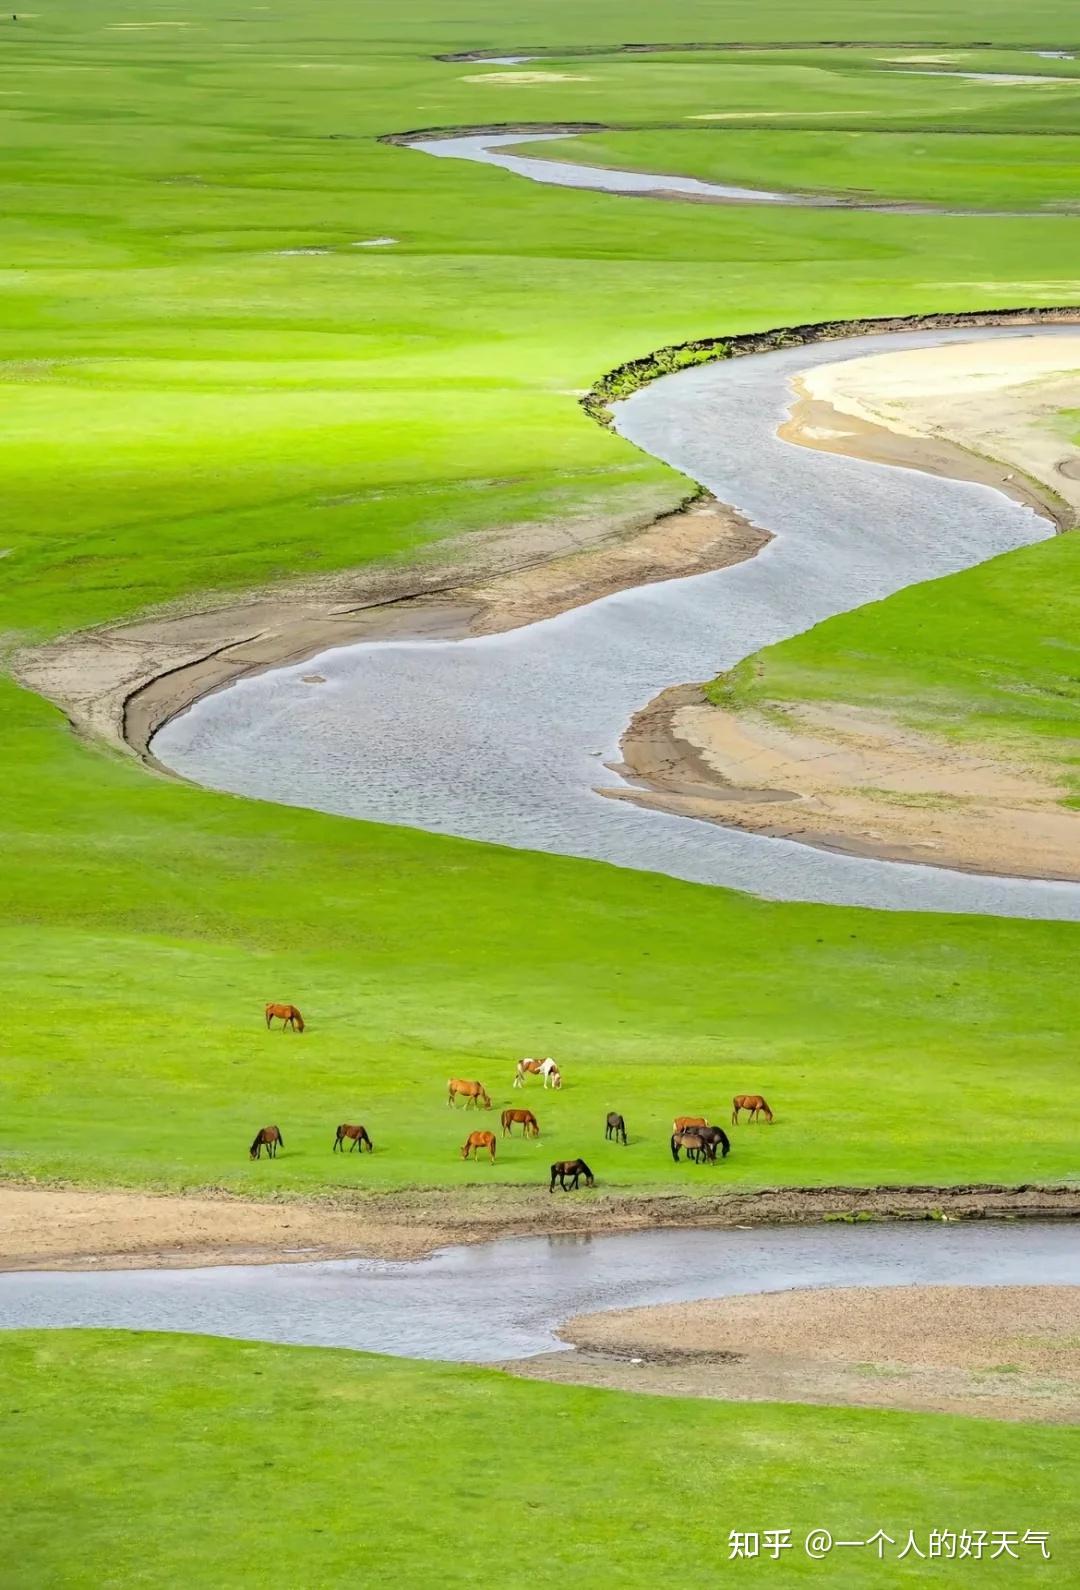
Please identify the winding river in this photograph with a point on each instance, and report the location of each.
(503, 1300)
(496, 149)
(506, 738)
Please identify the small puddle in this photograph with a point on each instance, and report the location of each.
(505, 1300)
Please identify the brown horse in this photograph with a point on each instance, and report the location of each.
(571, 1170)
(476, 1141)
(687, 1123)
(698, 1149)
(471, 1092)
(267, 1137)
(530, 1126)
(288, 1015)
(615, 1127)
(752, 1102)
(358, 1136)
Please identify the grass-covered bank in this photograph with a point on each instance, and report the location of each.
(143, 1459)
(195, 401)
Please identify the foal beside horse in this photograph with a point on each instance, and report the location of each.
(358, 1137)
(270, 1138)
(570, 1170)
(530, 1126)
(615, 1127)
(476, 1141)
(752, 1102)
(288, 1015)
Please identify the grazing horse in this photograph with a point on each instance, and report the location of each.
(752, 1102)
(476, 1141)
(570, 1170)
(615, 1127)
(267, 1137)
(714, 1137)
(358, 1137)
(474, 1093)
(699, 1149)
(288, 1015)
(548, 1069)
(530, 1126)
(688, 1123)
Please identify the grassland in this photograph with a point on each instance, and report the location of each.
(225, 1463)
(190, 406)
(990, 656)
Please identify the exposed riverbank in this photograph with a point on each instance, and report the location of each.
(861, 782)
(999, 1352)
(72, 1229)
(122, 682)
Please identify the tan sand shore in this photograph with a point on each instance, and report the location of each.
(856, 780)
(123, 681)
(54, 1228)
(994, 1352)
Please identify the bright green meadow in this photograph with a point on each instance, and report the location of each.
(193, 406)
(207, 383)
(176, 1460)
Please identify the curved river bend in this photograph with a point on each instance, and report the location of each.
(505, 1299)
(505, 738)
(496, 149)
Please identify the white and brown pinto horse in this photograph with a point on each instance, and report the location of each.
(548, 1069)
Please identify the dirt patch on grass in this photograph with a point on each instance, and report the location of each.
(853, 780)
(74, 1229)
(124, 681)
(994, 1352)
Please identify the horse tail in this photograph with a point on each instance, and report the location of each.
(674, 1146)
(281, 1140)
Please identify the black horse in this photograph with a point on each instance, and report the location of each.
(616, 1128)
(571, 1170)
(714, 1137)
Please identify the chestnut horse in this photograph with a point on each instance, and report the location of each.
(358, 1136)
(615, 1127)
(288, 1015)
(476, 1141)
(752, 1102)
(471, 1092)
(530, 1126)
(269, 1138)
(570, 1170)
(688, 1123)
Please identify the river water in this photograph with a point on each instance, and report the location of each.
(505, 1299)
(506, 738)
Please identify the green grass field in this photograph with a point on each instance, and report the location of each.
(191, 407)
(986, 656)
(173, 1459)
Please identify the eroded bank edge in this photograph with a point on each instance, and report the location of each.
(92, 1229)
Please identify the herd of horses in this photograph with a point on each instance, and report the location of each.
(691, 1135)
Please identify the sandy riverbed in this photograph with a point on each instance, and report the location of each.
(856, 780)
(122, 682)
(998, 1352)
(73, 1229)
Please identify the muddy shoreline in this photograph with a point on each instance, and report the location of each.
(122, 682)
(53, 1228)
(998, 1352)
